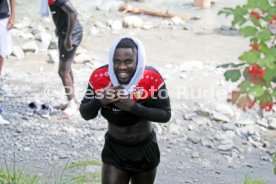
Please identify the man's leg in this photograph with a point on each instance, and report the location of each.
(1, 63)
(72, 76)
(113, 175)
(144, 178)
(66, 75)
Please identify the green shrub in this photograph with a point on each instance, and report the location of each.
(256, 77)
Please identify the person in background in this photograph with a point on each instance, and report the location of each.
(7, 19)
(130, 97)
(69, 32)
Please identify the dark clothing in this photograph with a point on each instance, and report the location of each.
(151, 105)
(4, 9)
(65, 55)
(135, 157)
(61, 21)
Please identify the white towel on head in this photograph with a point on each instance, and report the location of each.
(44, 11)
(140, 65)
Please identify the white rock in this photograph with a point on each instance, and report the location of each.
(53, 56)
(244, 122)
(207, 143)
(175, 129)
(194, 139)
(45, 39)
(53, 45)
(177, 21)
(195, 155)
(227, 126)
(201, 121)
(99, 24)
(3, 121)
(263, 122)
(94, 31)
(272, 123)
(226, 147)
(30, 46)
(147, 25)
(25, 35)
(225, 109)
(18, 52)
(183, 76)
(190, 127)
(132, 22)
(23, 23)
(189, 115)
(38, 29)
(227, 135)
(108, 5)
(220, 117)
(115, 25)
(190, 66)
(157, 128)
(82, 58)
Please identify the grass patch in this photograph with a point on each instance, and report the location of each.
(84, 164)
(91, 178)
(70, 173)
(8, 177)
(248, 180)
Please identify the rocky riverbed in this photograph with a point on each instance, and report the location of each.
(207, 141)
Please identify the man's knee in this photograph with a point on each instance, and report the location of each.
(63, 73)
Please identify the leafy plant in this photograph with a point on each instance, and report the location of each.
(256, 78)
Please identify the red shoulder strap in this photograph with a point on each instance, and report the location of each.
(50, 2)
(149, 84)
(99, 79)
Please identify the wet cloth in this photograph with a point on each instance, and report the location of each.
(5, 38)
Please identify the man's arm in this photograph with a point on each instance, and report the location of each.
(159, 111)
(72, 19)
(90, 105)
(12, 15)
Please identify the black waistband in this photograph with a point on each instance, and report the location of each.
(4, 15)
(149, 138)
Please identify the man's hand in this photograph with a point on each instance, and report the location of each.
(125, 102)
(11, 22)
(68, 44)
(108, 95)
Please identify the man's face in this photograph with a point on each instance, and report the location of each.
(124, 64)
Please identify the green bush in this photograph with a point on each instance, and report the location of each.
(256, 77)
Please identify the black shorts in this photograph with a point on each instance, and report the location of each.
(65, 55)
(132, 157)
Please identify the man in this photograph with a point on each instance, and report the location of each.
(7, 17)
(129, 96)
(69, 32)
